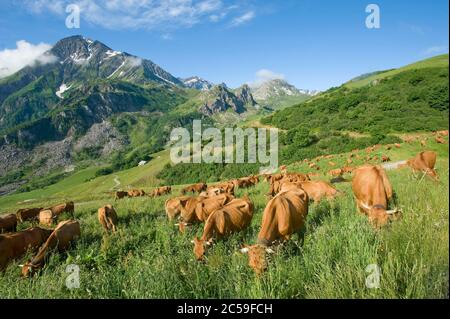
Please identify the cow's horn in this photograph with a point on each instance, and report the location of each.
(244, 250)
(392, 211)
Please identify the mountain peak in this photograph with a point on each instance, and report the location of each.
(195, 82)
(276, 88)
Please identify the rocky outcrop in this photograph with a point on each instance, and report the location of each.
(220, 99)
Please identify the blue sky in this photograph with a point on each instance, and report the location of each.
(314, 44)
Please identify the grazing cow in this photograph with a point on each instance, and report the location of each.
(317, 190)
(8, 223)
(442, 133)
(296, 177)
(283, 216)
(312, 165)
(329, 157)
(311, 175)
(14, 245)
(173, 206)
(336, 172)
(136, 193)
(397, 145)
(440, 140)
(196, 188)
(347, 169)
(372, 191)
(332, 164)
(385, 158)
(62, 208)
(197, 210)
(424, 162)
(161, 191)
(107, 217)
(233, 217)
(47, 217)
(64, 234)
(120, 195)
(30, 214)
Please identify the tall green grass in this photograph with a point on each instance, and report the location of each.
(149, 258)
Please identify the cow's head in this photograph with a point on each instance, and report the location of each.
(200, 247)
(380, 217)
(257, 257)
(29, 269)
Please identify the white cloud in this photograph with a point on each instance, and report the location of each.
(436, 49)
(264, 75)
(142, 14)
(246, 17)
(12, 60)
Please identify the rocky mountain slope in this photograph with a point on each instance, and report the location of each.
(277, 93)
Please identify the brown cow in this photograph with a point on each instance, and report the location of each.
(283, 216)
(397, 145)
(107, 217)
(173, 206)
(120, 195)
(62, 208)
(197, 210)
(385, 158)
(336, 172)
(440, 140)
(161, 191)
(196, 188)
(317, 190)
(424, 162)
(8, 223)
(372, 191)
(30, 214)
(233, 217)
(47, 217)
(14, 245)
(61, 238)
(442, 133)
(136, 193)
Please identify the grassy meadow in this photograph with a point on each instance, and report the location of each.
(149, 258)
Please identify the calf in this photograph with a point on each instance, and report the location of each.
(8, 223)
(424, 162)
(61, 238)
(372, 191)
(283, 216)
(107, 217)
(12, 246)
(233, 217)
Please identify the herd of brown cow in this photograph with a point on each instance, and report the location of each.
(221, 212)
